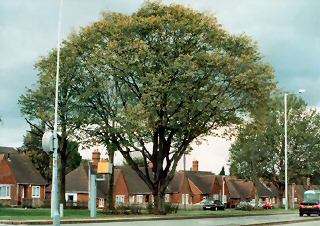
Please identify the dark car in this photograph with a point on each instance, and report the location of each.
(309, 207)
(212, 205)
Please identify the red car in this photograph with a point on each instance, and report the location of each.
(267, 205)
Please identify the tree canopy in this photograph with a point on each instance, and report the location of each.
(165, 75)
(259, 151)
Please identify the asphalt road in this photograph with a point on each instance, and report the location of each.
(248, 220)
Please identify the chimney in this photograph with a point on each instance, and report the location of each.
(95, 157)
(195, 166)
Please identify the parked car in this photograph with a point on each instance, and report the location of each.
(309, 207)
(209, 204)
(267, 205)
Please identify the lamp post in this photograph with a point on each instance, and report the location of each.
(50, 139)
(286, 146)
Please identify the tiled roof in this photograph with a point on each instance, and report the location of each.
(263, 190)
(7, 150)
(203, 180)
(24, 171)
(240, 188)
(135, 184)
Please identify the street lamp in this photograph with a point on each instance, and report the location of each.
(286, 146)
(50, 140)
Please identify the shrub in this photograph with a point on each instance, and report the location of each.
(245, 206)
(123, 209)
(170, 208)
(135, 209)
(150, 207)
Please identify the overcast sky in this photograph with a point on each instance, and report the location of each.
(287, 33)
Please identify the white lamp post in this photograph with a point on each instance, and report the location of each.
(286, 147)
(50, 140)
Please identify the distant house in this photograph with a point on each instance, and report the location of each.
(77, 185)
(266, 191)
(129, 188)
(239, 190)
(191, 187)
(20, 182)
(134, 190)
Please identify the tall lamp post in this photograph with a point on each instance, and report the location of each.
(50, 140)
(286, 147)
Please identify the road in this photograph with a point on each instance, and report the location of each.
(248, 220)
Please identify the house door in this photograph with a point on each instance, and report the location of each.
(21, 194)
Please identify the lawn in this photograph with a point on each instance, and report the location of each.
(44, 214)
(41, 214)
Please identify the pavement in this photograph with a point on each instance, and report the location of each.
(252, 220)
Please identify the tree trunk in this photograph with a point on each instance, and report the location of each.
(159, 201)
(111, 181)
(62, 170)
(62, 178)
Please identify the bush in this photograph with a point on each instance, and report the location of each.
(135, 209)
(245, 206)
(170, 208)
(150, 207)
(123, 209)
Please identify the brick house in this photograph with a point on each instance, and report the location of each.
(266, 191)
(195, 185)
(134, 190)
(77, 192)
(20, 182)
(128, 186)
(239, 190)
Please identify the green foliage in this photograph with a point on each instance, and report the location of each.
(165, 75)
(259, 150)
(32, 148)
(170, 208)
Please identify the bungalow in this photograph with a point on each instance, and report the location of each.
(239, 190)
(195, 185)
(20, 182)
(128, 186)
(266, 191)
(78, 184)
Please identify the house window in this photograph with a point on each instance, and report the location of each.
(101, 202)
(22, 192)
(187, 199)
(139, 199)
(215, 197)
(167, 198)
(5, 192)
(131, 199)
(119, 199)
(35, 191)
(224, 199)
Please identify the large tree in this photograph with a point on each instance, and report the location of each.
(165, 76)
(259, 148)
(152, 82)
